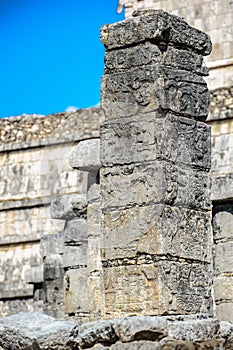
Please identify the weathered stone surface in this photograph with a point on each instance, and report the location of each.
(223, 257)
(148, 53)
(93, 333)
(76, 291)
(34, 331)
(85, 156)
(94, 219)
(33, 130)
(26, 224)
(223, 288)
(93, 193)
(199, 330)
(151, 88)
(53, 266)
(224, 312)
(14, 263)
(222, 188)
(156, 182)
(157, 26)
(35, 274)
(164, 287)
(140, 327)
(68, 207)
(157, 229)
(75, 232)
(51, 244)
(154, 136)
(75, 255)
(223, 222)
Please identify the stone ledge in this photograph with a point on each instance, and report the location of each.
(158, 26)
(27, 131)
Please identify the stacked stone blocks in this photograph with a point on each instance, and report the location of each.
(155, 155)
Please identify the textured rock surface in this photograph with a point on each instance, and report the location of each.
(34, 331)
(157, 26)
(86, 155)
(155, 152)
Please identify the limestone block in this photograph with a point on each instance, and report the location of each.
(93, 193)
(26, 224)
(51, 244)
(53, 267)
(157, 229)
(157, 182)
(14, 263)
(93, 252)
(223, 222)
(35, 274)
(157, 288)
(223, 289)
(190, 330)
(76, 291)
(159, 26)
(54, 292)
(151, 136)
(75, 232)
(14, 306)
(34, 330)
(85, 156)
(151, 88)
(96, 294)
(223, 257)
(75, 255)
(222, 187)
(94, 219)
(224, 312)
(68, 207)
(148, 53)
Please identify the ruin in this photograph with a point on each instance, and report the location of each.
(137, 248)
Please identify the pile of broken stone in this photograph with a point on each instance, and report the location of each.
(37, 331)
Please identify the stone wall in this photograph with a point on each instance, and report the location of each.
(34, 169)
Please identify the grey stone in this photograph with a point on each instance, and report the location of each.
(85, 156)
(51, 244)
(149, 53)
(222, 188)
(158, 230)
(35, 274)
(155, 182)
(152, 88)
(76, 291)
(223, 257)
(223, 222)
(34, 331)
(193, 330)
(53, 266)
(96, 332)
(75, 232)
(152, 136)
(157, 26)
(75, 256)
(68, 207)
(140, 328)
(163, 287)
(93, 193)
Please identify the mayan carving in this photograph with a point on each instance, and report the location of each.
(155, 152)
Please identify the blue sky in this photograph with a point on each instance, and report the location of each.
(51, 56)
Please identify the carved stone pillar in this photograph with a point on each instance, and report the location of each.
(155, 156)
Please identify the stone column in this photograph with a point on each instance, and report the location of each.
(155, 156)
